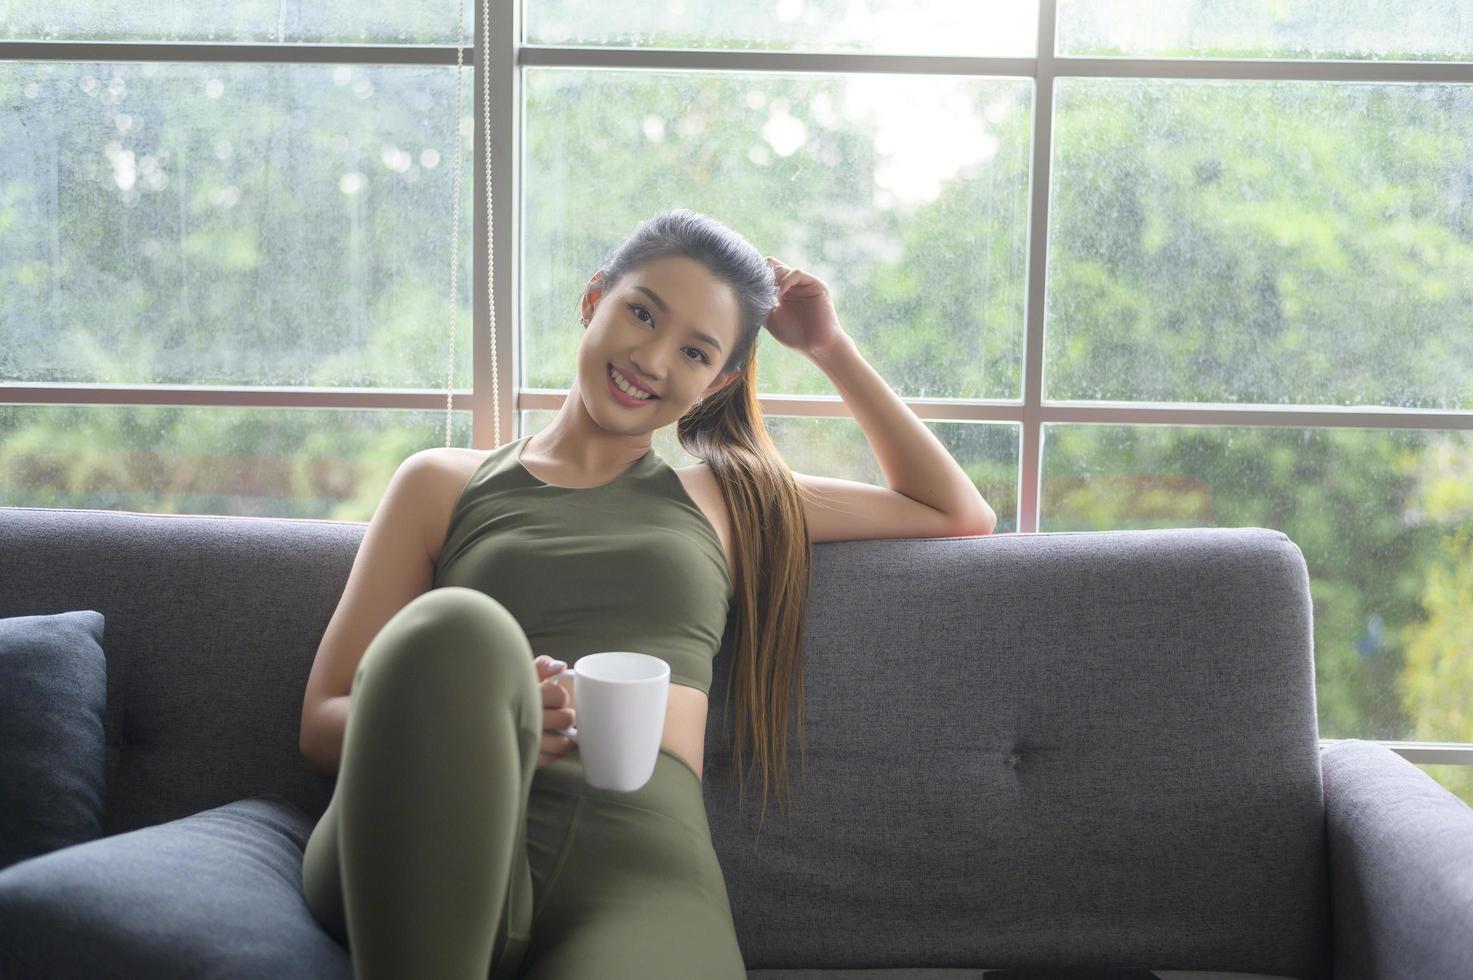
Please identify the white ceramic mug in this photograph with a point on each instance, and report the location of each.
(620, 699)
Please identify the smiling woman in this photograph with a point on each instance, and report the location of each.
(529, 563)
(676, 312)
(535, 556)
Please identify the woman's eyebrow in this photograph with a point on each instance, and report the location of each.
(665, 309)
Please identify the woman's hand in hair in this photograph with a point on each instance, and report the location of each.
(804, 318)
(557, 711)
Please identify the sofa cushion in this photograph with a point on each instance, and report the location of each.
(53, 693)
(213, 894)
(1058, 748)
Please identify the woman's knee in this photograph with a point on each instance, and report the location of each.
(456, 635)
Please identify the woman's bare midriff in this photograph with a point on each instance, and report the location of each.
(686, 707)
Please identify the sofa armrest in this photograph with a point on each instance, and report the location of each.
(1401, 868)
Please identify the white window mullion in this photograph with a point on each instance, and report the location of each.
(208, 52)
(1030, 468)
(505, 128)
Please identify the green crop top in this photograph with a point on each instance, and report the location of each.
(633, 564)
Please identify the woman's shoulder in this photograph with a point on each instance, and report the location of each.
(447, 469)
(456, 456)
(451, 466)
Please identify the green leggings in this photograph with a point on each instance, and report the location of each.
(446, 853)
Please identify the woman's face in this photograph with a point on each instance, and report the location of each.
(667, 328)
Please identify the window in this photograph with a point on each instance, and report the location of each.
(1208, 267)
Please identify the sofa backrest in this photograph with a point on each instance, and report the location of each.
(1017, 748)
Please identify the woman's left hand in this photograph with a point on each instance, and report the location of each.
(804, 318)
(558, 713)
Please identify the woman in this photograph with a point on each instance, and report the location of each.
(461, 838)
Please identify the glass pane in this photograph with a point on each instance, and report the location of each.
(1284, 242)
(273, 462)
(1431, 30)
(1385, 522)
(374, 22)
(940, 27)
(231, 224)
(906, 194)
(1457, 780)
(988, 451)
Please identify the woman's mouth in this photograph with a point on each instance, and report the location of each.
(621, 396)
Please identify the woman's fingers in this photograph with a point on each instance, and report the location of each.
(554, 695)
(557, 713)
(553, 747)
(555, 743)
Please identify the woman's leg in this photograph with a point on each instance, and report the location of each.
(419, 863)
(639, 893)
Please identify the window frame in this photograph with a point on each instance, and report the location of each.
(496, 402)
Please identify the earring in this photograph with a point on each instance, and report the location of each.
(699, 400)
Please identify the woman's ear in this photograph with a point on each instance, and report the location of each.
(591, 295)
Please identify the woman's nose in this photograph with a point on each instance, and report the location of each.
(643, 367)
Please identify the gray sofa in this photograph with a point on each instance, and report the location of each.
(1095, 751)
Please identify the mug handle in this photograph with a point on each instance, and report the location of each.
(572, 733)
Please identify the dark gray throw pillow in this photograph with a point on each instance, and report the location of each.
(53, 754)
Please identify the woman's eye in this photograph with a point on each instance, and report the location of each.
(640, 309)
